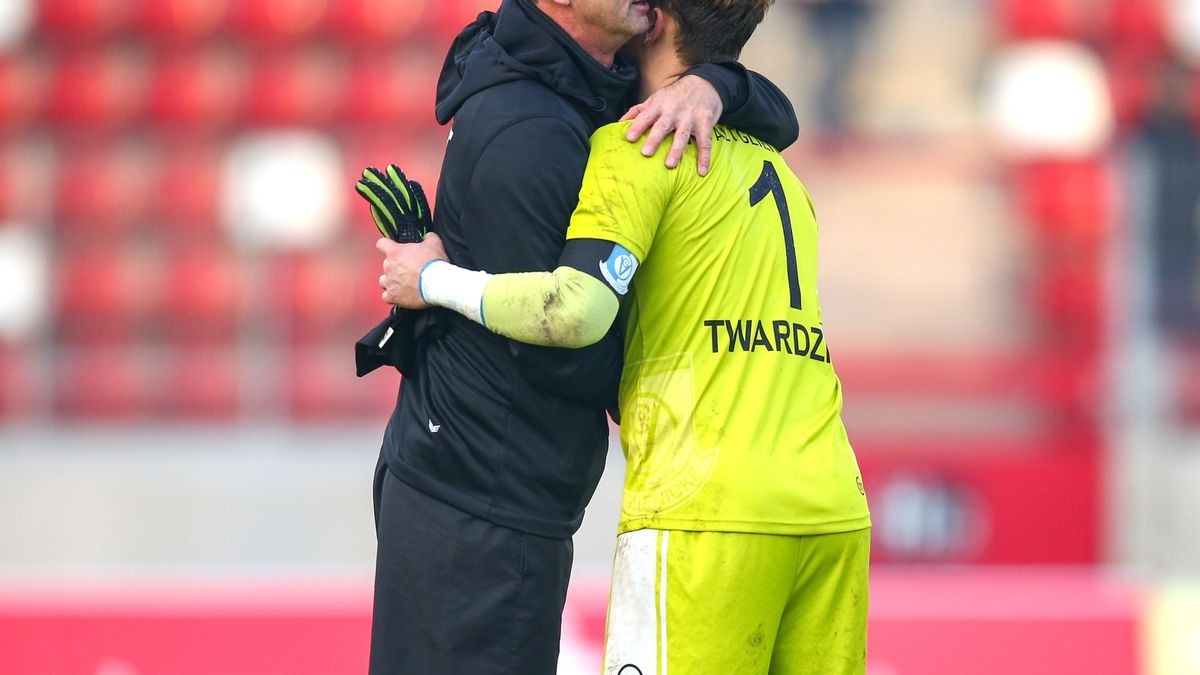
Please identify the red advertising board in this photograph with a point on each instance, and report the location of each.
(984, 503)
(923, 622)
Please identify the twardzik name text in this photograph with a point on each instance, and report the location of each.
(751, 335)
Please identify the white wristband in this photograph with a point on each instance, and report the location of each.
(444, 285)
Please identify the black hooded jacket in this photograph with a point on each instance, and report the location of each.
(512, 433)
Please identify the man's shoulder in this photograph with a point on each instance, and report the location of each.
(520, 117)
(505, 104)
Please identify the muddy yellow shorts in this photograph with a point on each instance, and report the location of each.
(694, 603)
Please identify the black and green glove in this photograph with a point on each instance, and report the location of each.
(398, 205)
(401, 213)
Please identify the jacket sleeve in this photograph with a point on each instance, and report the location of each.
(753, 103)
(523, 190)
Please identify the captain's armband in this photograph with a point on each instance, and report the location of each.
(607, 261)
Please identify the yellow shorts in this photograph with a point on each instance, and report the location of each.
(693, 603)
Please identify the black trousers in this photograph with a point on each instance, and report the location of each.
(457, 595)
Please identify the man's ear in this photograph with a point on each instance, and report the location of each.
(656, 25)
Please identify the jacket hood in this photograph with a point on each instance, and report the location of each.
(519, 42)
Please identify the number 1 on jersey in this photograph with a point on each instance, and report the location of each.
(768, 183)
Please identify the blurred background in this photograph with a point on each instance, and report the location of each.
(1009, 195)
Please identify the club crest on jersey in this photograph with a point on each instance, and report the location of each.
(619, 268)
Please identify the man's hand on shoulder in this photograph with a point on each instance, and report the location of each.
(690, 107)
(402, 266)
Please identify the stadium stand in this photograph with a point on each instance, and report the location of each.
(185, 192)
(205, 384)
(180, 249)
(24, 83)
(109, 384)
(183, 161)
(143, 109)
(1040, 19)
(176, 22)
(199, 90)
(202, 296)
(105, 190)
(98, 90)
(106, 294)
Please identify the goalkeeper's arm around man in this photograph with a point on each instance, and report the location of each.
(564, 308)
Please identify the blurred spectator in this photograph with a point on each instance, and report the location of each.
(840, 28)
(1170, 139)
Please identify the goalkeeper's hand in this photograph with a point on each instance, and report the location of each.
(398, 205)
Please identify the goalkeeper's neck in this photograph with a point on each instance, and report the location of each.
(657, 55)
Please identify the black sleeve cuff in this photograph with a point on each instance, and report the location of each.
(752, 103)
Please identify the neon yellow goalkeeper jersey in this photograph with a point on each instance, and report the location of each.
(731, 411)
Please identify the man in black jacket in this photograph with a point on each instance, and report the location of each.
(494, 447)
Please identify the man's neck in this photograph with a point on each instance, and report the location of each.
(660, 71)
(596, 43)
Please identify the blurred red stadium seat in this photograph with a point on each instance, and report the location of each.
(1077, 197)
(186, 191)
(320, 386)
(1132, 86)
(203, 384)
(104, 190)
(83, 19)
(379, 21)
(199, 91)
(1070, 207)
(278, 21)
(202, 294)
(1034, 19)
(16, 381)
(27, 170)
(7, 380)
(1137, 26)
(314, 297)
(297, 88)
(177, 21)
(450, 16)
(99, 90)
(1069, 299)
(394, 90)
(105, 384)
(24, 89)
(103, 295)
(8, 187)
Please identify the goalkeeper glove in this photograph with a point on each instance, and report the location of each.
(398, 205)
(401, 213)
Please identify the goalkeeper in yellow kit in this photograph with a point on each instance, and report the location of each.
(744, 533)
